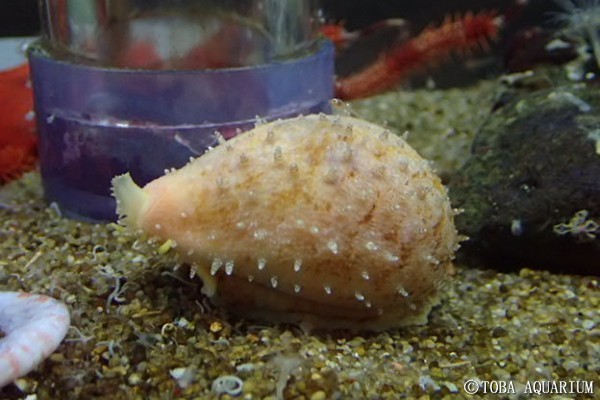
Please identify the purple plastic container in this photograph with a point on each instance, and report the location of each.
(95, 123)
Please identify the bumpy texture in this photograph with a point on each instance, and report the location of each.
(325, 220)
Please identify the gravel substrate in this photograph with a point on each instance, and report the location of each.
(439, 124)
(142, 330)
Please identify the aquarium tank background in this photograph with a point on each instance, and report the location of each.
(435, 236)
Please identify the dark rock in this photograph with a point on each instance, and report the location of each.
(534, 165)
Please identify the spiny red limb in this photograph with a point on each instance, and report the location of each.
(428, 48)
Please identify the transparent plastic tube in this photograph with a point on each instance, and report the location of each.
(99, 116)
(183, 34)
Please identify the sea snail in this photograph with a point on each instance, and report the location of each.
(329, 221)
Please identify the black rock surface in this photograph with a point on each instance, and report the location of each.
(534, 165)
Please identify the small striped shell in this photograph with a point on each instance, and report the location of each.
(33, 325)
(326, 220)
